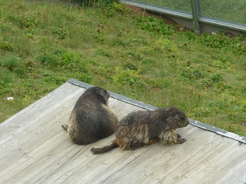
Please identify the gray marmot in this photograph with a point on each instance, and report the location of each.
(91, 118)
(142, 128)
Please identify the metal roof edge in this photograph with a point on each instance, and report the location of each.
(196, 123)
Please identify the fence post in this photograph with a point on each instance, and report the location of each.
(196, 13)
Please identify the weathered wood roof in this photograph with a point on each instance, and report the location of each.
(35, 149)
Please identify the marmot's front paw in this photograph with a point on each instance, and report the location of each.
(65, 127)
(181, 140)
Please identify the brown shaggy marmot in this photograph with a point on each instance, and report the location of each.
(91, 118)
(147, 127)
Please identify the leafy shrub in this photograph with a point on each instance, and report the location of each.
(154, 82)
(25, 21)
(121, 8)
(164, 45)
(154, 25)
(119, 42)
(104, 53)
(13, 64)
(149, 61)
(215, 40)
(220, 40)
(130, 65)
(60, 33)
(69, 57)
(48, 59)
(127, 77)
(191, 73)
(147, 50)
(97, 3)
(5, 77)
(222, 64)
(6, 46)
(241, 106)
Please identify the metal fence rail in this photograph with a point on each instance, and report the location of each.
(228, 14)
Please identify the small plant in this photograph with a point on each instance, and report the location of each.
(99, 38)
(121, 8)
(154, 25)
(13, 64)
(119, 42)
(149, 61)
(222, 65)
(24, 21)
(100, 28)
(214, 40)
(60, 33)
(157, 82)
(97, 3)
(127, 77)
(104, 53)
(165, 45)
(68, 57)
(28, 22)
(130, 65)
(5, 45)
(48, 59)
(192, 72)
(5, 79)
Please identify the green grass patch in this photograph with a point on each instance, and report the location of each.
(44, 45)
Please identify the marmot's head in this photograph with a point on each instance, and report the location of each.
(97, 93)
(176, 118)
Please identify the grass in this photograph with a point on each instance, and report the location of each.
(43, 45)
(228, 10)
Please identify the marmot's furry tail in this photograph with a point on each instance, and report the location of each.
(105, 148)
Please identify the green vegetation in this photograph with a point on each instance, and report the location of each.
(228, 10)
(43, 45)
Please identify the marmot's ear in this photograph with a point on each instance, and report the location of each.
(172, 111)
(97, 90)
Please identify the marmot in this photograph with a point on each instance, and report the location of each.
(142, 128)
(91, 118)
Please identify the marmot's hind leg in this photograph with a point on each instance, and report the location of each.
(153, 141)
(65, 127)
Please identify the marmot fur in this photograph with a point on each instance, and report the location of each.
(142, 128)
(91, 118)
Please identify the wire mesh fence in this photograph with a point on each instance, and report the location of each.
(227, 10)
(180, 5)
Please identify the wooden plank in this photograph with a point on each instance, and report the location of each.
(24, 167)
(208, 168)
(235, 173)
(32, 136)
(32, 113)
(99, 161)
(149, 156)
(35, 149)
(68, 165)
(28, 138)
(161, 160)
(77, 168)
(220, 164)
(119, 161)
(200, 167)
(19, 164)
